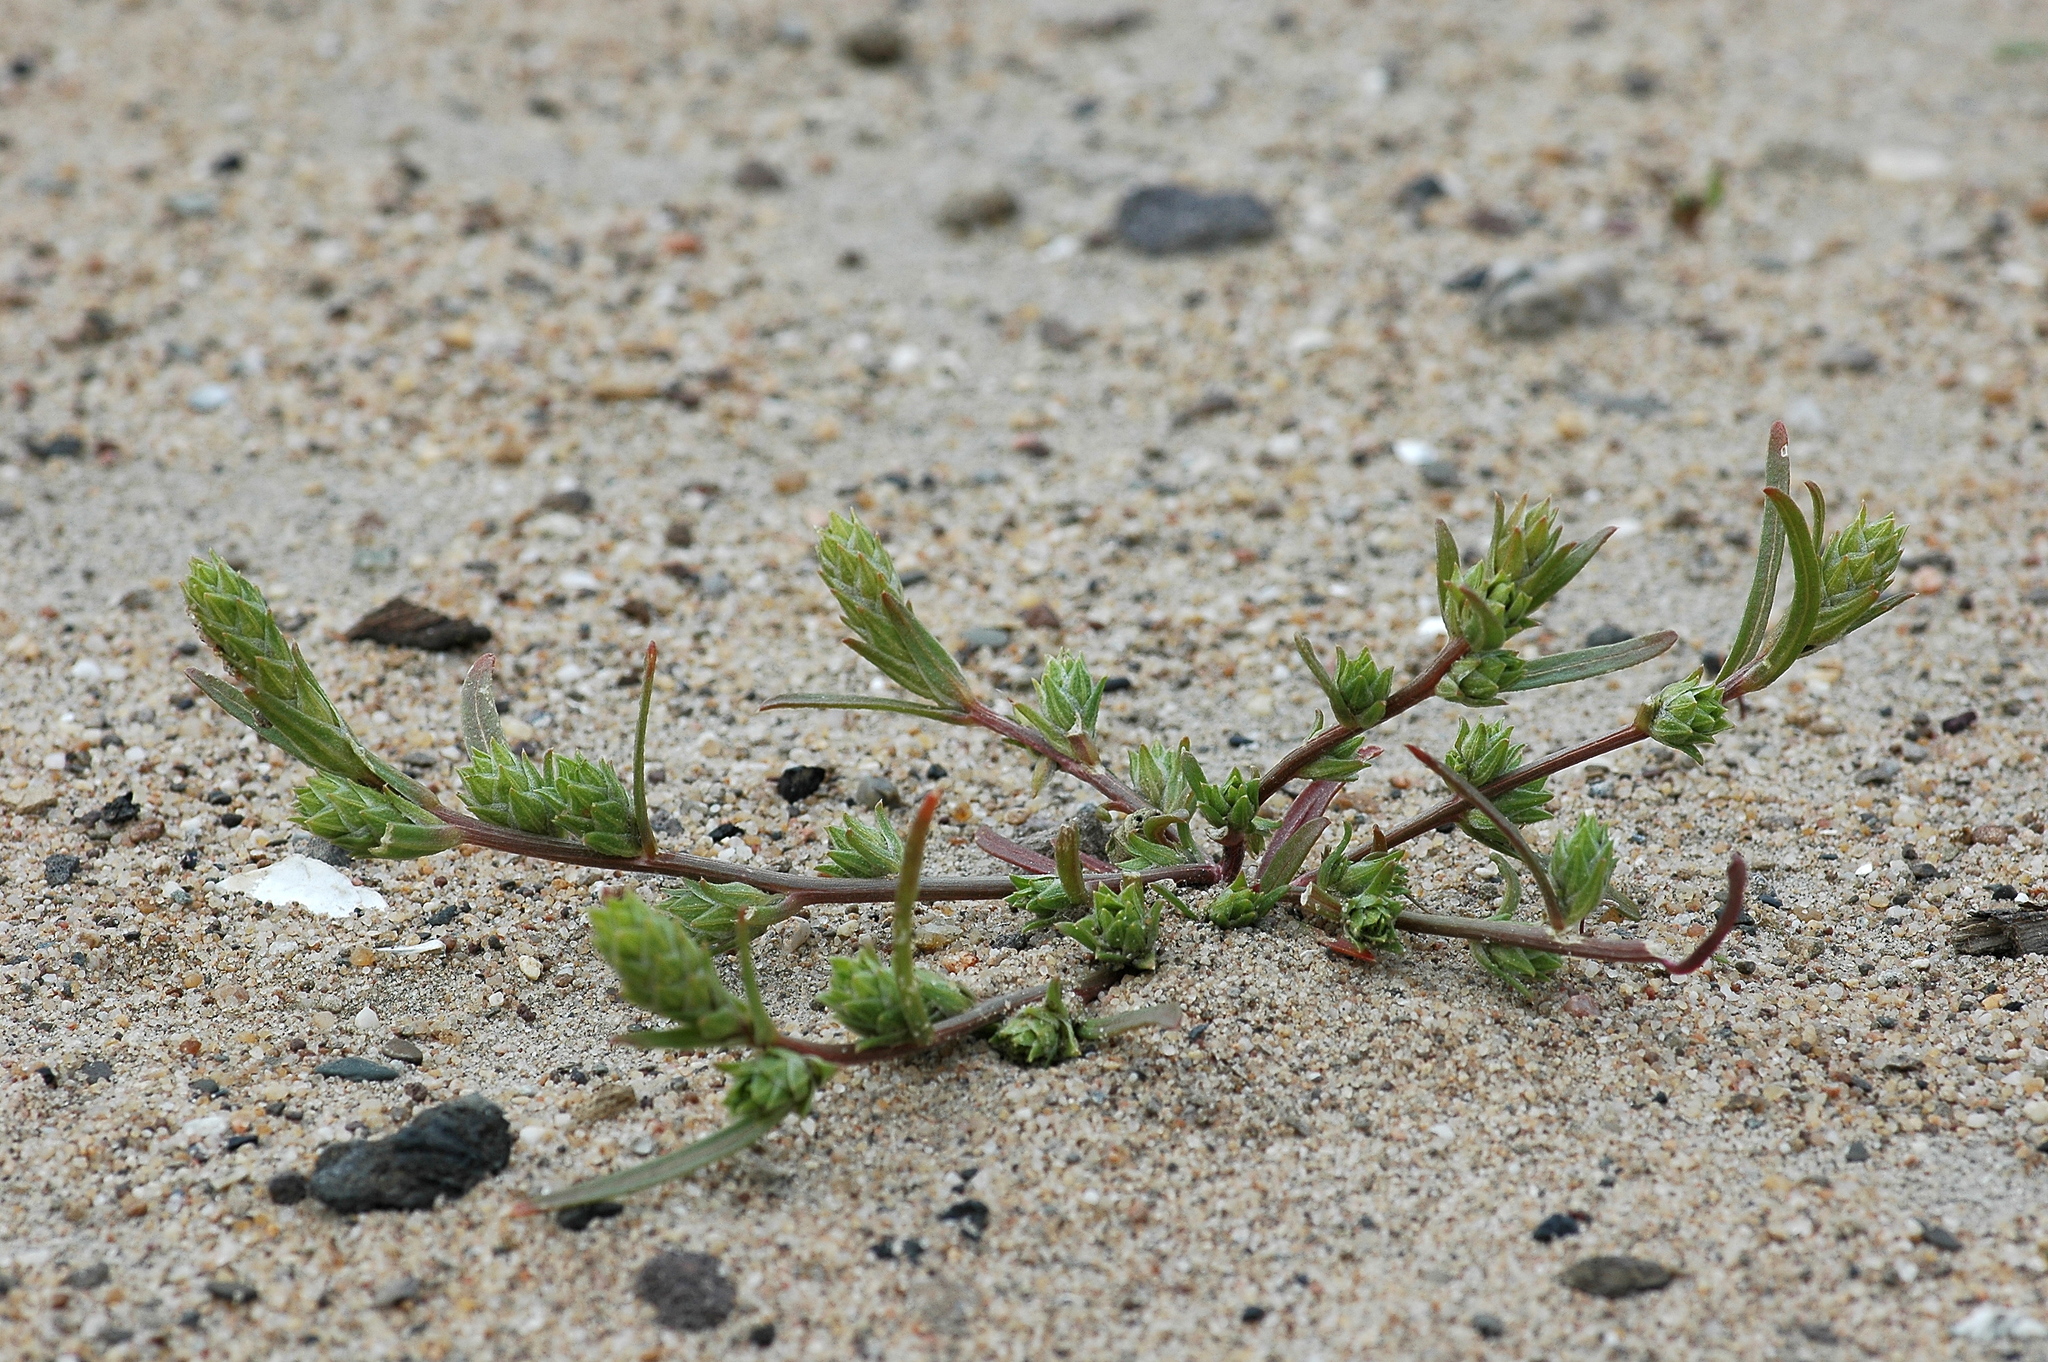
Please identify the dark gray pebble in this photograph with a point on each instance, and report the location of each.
(1555, 1227)
(288, 1189)
(88, 1277)
(1859, 1152)
(232, 1291)
(1606, 634)
(798, 783)
(1488, 1326)
(876, 43)
(1169, 219)
(59, 869)
(686, 1289)
(362, 1070)
(443, 1152)
(1614, 1277)
(1934, 1236)
(576, 1219)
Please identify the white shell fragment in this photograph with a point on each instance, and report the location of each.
(306, 883)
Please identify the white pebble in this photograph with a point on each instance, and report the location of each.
(209, 397)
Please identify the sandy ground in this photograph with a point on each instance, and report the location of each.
(346, 291)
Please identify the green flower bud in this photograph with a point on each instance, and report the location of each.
(774, 1083)
(1168, 777)
(1686, 715)
(862, 578)
(1233, 807)
(1479, 679)
(596, 806)
(1517, 966)
(1041, 1034)
(1357, 688)
(1368, 893)
(1581, 863)
(863, 851)
(1856, 567)
(711, 912)
(1240, 906)
(511, 790)
(1123, 931)
(1069, 699)
(1483, 752)
(865, 998)
(663, 970)
(370, 822)
(1042, 896)
(1524, 567)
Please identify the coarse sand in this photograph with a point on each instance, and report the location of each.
(578, 320)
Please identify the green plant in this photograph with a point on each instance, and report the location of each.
(580, 811)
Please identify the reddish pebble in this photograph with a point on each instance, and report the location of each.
(1581, 1005)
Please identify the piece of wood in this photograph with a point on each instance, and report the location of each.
(2004, 931)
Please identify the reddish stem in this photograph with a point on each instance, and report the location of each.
(1122, 798)
(1327, 741)
(1448, 812)
(1533, 937)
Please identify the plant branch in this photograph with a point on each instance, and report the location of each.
(1323, 743)
(1451, 810)
(1122, 798)
(1624, 952)
(983, 1013)
(1553, 911)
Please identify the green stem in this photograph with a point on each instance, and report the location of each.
(903, 942)
(1323, 743)
(1553, 910)
(648, 846)
(655, 1171)
(757, 1008)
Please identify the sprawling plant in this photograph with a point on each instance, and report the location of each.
(1224, 849)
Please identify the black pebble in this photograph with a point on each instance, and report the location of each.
(1170, 219)
(1253, 1314)
(686, 1290)
(884, 1249)
(1956, 723)
(1934, 1236)
(1554, 1227)
(232, 1291)
(762, 1335)
(576, 1219)
(231, 820)
(1113, 684)
(2004, 891)
(934, 772)
(1488, 1326)
(59, 869)
(1606, 634)
(447, 915)
(443, 1152)
(400, 623)
(798, 783)
(205, 1087)
(360, 1070)
(1859, 1152)
(242, 1142)
(970, 1215)
(1419, 193)
(288, 1189)
(725, 830)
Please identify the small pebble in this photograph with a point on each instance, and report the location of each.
(1555, 1227)
(967, 210)
(443, 1152)
(1606, 634)
(397, 1291)
(1172, 219)
(288, 1189)
(1488, 1326)
(686, 1289)
(402, 1049)
(209, 397)
(88, 1278)
(576, 1219)
(231, 1290)
(1252, 1314)
(1934, 1236)
(757, 176)
(871, 790)
(1858, 1152)
(762, 1335)
(1538, 301)
(1614, 1277)
(987, 637)
(879, 42)
(359, 1070)
(798, 783)
(400, 623)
